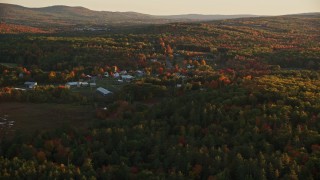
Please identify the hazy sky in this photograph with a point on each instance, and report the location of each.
(170, 7)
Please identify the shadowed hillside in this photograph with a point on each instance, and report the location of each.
(65, 15)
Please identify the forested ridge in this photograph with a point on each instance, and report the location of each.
(231, 99)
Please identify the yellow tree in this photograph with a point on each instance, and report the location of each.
(52, 75)
(203, 62)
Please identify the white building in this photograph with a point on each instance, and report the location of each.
(103, 91)
(116, 75)
(19, 89)
(127, 77)
(106, 74)
(84, 84)
(71, 84)
(139, 73)
(76, 84)
(190, 66)
(123, 72)
(30, 85)
(92, 84)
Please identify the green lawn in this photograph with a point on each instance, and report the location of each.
(9, 65)
(29, 117)
(110, 84)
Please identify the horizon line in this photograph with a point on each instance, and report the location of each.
(191, 13)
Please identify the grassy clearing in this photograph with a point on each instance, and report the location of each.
(9, 65)
(110, 84)
(29, 117)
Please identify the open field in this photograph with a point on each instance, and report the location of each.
(9, 65)
(111, 84)
(29, 117)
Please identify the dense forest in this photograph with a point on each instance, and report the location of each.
(228, 99)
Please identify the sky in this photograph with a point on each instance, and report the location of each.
(173, 7)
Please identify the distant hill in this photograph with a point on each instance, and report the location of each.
(305, 14)
(64, 15)
(201, 17)
(61, 17)
(70, 16)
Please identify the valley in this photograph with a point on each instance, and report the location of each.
(162, 99)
